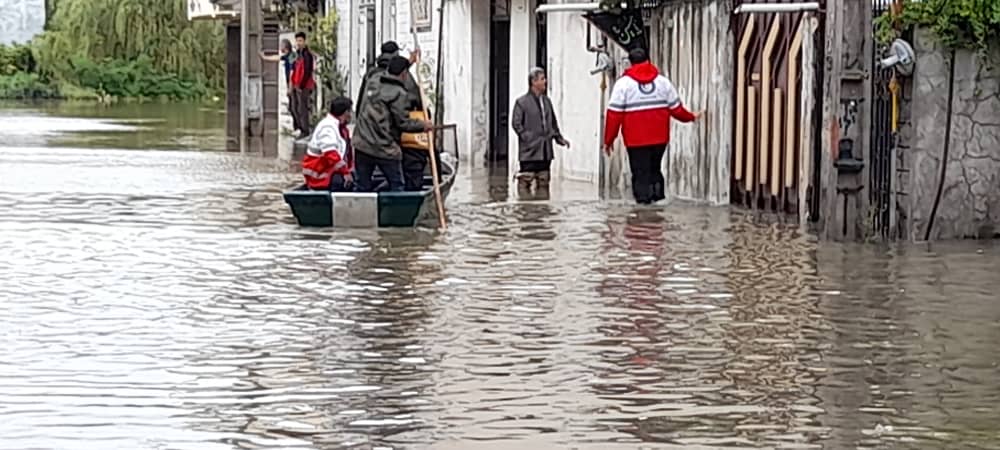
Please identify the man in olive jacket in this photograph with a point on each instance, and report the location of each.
(414, 161)
(536, 126)
(390, 49)
(380, 126)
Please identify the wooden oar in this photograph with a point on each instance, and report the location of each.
(430, 148)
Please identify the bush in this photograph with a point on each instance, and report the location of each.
(16, 58)
(133, 79)
(25, 86)
(959, 24)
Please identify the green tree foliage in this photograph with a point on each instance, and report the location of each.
(959, 24)
(324, 47)
(15, 59)
(132, 48)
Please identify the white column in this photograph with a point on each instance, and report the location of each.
(522, 59)
(346, 19)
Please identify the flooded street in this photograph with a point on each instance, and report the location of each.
(158, 295)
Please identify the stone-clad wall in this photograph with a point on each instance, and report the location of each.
(970, 199)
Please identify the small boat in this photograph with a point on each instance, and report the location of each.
(370, 209)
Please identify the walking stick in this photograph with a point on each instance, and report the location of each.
(430, 148)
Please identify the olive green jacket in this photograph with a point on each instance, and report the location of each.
(384, 118)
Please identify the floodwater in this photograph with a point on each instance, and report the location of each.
(156, 295)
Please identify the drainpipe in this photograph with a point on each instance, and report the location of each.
(604, 66)
(747, 8)
(567, 7)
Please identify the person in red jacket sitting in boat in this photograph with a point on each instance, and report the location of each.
(642, 104)
(329, 158)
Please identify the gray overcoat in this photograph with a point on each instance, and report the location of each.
(535, 130)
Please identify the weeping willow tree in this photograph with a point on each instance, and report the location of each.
(109, 33)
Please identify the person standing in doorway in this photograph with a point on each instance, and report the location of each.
(303, 85)
(534, 121)
(380, 126)
(642, 103)
(286, 56)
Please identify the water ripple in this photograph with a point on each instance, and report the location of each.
(166, 300)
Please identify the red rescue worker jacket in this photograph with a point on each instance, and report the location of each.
(642, 103)
(302, 70)
(328, 153)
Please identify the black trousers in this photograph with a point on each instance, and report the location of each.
(648, 184)
(535, 166)
(414, 165)
(301, 105)
(364, 169)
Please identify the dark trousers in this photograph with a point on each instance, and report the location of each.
(414, 165)
(535, 166)
(301, 106)
(364, 168)
(648, 184)
(337, 184)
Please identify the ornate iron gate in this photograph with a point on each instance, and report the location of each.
(883, 137)
(767, 140)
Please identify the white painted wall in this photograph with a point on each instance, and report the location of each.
(478, 139)
(345, 17)
(576, 97)
(286, 127)
(522, 59)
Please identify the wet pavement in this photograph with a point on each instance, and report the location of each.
(154, 295)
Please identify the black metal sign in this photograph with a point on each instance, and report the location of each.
(625, 27)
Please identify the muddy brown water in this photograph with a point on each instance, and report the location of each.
(156, 295)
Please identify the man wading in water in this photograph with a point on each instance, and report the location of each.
(536, 126)
(642, 103)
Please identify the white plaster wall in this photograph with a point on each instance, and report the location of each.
(285, 124)
(478, 138)
(693, 46)
(457, 79)
(358, 58)
(465, 66)
(576, 97)
(344, 37)
(522, 59)
(465, 61)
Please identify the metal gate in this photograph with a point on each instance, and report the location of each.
(767, 137)
(883, 137)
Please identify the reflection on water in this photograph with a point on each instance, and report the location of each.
(165, 300)
(126, 126)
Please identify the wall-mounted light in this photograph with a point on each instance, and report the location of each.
(901, 56)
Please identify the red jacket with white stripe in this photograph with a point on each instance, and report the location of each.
(642, 103)
(328, 153)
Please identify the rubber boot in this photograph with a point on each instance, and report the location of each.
(524, 181)
(542, 186)
(542, 181)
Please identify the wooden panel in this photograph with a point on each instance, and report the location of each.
(769, 128)
(765, 101)
(741, 89)
(750, 137)
(694, 48)
(776, 153)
